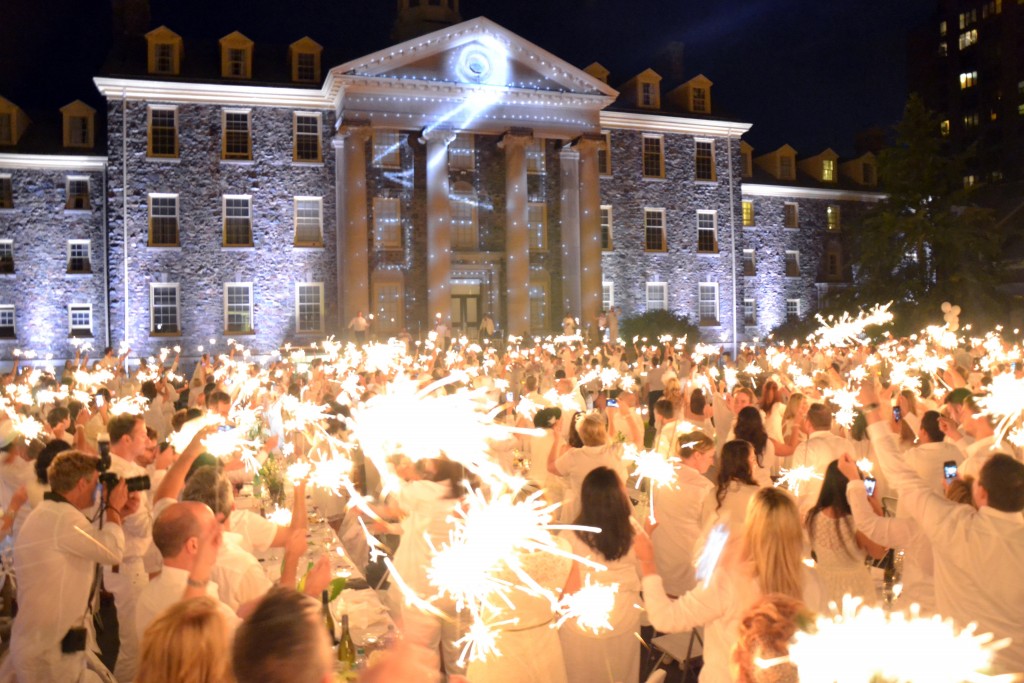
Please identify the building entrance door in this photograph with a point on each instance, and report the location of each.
(466, 310)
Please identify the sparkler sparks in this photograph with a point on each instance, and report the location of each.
(795, 477)
(590, 606)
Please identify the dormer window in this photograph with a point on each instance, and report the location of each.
(786, 169)
(647, 94)
(305, 60)
(828, 170)
(236, 63)
(78, 124)
(12, 122)
(6, 128)
(164, 56)
(700, 100)
(235, 56)
(868, 171)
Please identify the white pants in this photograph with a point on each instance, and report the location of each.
(126, 586)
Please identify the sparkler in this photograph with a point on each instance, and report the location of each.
(795, 477)
(848, 331)
(590, 606)
(658, 469)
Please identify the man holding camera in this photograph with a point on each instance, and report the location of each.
(55, 558)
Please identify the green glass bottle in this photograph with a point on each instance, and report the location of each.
(328, 618)
(346, 648)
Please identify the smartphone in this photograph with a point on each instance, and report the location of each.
(509, 396)
(949, 470)
(897, 414)
(612, 403)
(100, 400)
(224, 428)
(869, 485)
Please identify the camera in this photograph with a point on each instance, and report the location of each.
(111, 479)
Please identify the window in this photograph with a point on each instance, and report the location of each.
(309, 213)
(968, 79)
(237, 63)
(828, 170)
(6, 256)
(748, 214)
(704, 160)
(538, 306)
(305, 67)
(535, 159)
(462, 153)
(163, 55)
(657, 296)
(163, 132)
(387, 223)
(604, 154)
(237, 221)
(164, 52)
(700, 100)
(654, 164)
(749, 266)
(463, 209)
(944, 128)
(707, 233)
(237, 138)
(238, 307)
(163, 220)
(786, 170)
(649, 95)
(942, 28)
(654, 229)
(750, 312)
(537, 222)
(80, 320)
(79, 131)
(78, 194)
(163, 308)
(868, 172)
(309, 307)
(306, 135)
(6, 193)
(606, 228)
(832, 264)
(79, 256)
(707, 303)
(387, 152)
(832, 216)
(607, 295)
(791, 215)
(971, 120)
(6, 128)
(792, 309)
(970, 181)
(792, 264)
(388, 299)
(7, 330)
(968, 38)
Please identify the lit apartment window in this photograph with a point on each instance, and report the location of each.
(163, 308)
(654, 161)
(387, 223)
(704, 160)
(748, 214)
(971, 120)
(309, 222)
(78, 194)
(750, 312)
(792, 264)
(465, 236)
(606, 228)
(309, 307)
(163, 132)
(163, 220)
(700, 100)
(828, 170)
(970, 180)
(944, 128)
(462, 153)
(942, 28)
(604, 154)
(387, 151)
(6, 128)
(657, 296)
(80, 320)
(792, 309)
(791, 215)
(6, 193)
(786, 168)
(749, 265)
(537, 224)
(968, 79)
(388, 297)
(237, 135)
(968, 38)
(707, 232)
(7, 330)
(306, 136)
(707, 303)
(237, 220)
(535, 160)
(79, 256)
(238, 307)
(654, 229)
(943, 49)
(607, 295)
(833, 218)
(6, 256)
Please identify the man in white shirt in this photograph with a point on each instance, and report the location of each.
(932, 452)
(359, 325)
(665, 440)
(55, 558)
(820, 449)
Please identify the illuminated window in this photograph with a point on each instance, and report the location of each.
(968, 79)
(700, 100)
(387, 152)
(237, 135)
(462, 153)
(749, 265)
(604, 154)
(750, 312)
(786, 168)
(707, 232)
(968, 18)
(943, 49)
(791, 215)
(704, 160)
(971, 120)
(868, 172)
(657, 296)
(654, 229)
(163, 132)
(748, 214)
(7, 322)
(606, 228)
(535, 160)
(306, 137)
(828, 170)
(465, 236)
(79, 257)
(944, 127)
(537, 222)
(309, 307)
(238, 307)
(387, 223)
(163, 220)
(388, 298)
(6, 128)
(792, 309)
(80, 320)
(309, 222)
(970, 180)
(942, 28)
(607, 295)
(237, 212)
(792, 264)
(968, 38)
(707, 303)
(163, 308)
(77, 194)
(833, 218)
(6, 256)
(654, 161)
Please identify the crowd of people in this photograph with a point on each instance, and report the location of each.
(743, 496)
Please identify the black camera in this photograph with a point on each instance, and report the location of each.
(110, 479)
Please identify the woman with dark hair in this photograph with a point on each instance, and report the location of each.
(750, 428)
(727, 503)
(612, 655)
(838, 547)
(773, 406)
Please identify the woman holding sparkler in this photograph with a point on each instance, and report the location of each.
(577, 463)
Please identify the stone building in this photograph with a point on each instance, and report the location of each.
(263, 194)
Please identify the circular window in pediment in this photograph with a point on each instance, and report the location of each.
(474, 64)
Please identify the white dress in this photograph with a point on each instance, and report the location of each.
(840, 561)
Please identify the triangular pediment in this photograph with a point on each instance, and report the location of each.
(478, 52)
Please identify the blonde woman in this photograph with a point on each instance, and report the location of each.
(766, 557)
(189, 643)
(576, 463)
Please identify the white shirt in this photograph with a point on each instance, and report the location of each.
(428, 508)
(138, 526)
(13, 475)
(256, 532)
(55, 559)
(679, 510)
(238, 574)
(166, 590)
(820, 449)
(927, 460)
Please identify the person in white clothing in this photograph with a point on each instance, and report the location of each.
(55, 558)
(932, 452)
(576, 463)
(16, 470)
(820, 448)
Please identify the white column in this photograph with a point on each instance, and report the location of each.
(353, 228)
(590, 232)
(569, 162)
(517, 235)
(439, 225)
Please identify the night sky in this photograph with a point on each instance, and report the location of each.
(810, 73)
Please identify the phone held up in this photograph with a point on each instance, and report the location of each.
(949, 470)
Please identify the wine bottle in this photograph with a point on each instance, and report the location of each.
(328, 618)
(346, 648)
